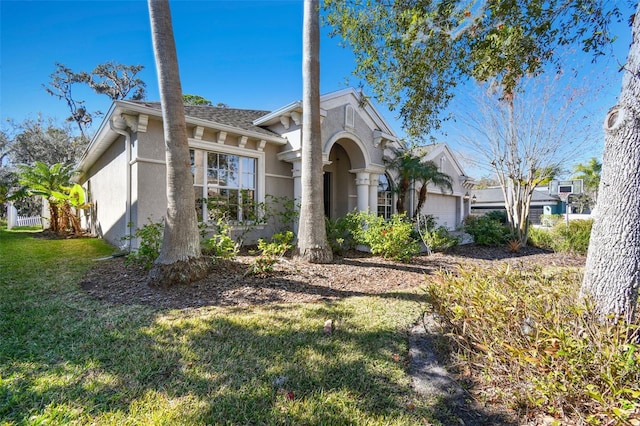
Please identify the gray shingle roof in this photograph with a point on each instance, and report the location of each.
(239, 118)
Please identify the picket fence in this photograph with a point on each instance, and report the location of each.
(29, 221)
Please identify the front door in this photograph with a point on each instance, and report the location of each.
(327, 193)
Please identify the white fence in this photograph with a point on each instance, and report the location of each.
(14, 220)
(29, 221)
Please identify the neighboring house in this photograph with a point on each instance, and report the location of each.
(239, 156)
(542, 202)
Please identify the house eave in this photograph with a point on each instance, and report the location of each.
(105, 136)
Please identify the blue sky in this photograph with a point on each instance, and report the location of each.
(244, 53)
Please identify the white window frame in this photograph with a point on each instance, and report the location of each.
(210, 147)
(388, 196)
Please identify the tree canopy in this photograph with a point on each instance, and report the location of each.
(415, 53)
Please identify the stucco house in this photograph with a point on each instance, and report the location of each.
(239, 156)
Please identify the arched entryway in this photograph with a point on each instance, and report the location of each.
(343, 175)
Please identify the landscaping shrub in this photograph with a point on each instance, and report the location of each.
(271, 252)
(562, 238)
(486, 231)
(344, 232)
(436, 238)
(221, 245)
(393, 238)
(498, 216)
(531, 342)
(150, 242)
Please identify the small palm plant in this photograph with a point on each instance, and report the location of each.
(411, 168)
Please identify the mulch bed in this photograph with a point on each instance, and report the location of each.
(294, 281)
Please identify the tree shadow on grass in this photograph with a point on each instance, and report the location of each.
(273, 366)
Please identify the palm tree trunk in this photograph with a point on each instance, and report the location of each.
(180, 259)
(612, 271)
(312, 238)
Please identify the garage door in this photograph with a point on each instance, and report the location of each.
(443, 209)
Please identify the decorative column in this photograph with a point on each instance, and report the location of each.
(374, 180)
(362, 190)
(296, 172)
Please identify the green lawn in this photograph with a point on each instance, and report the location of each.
(68, 359)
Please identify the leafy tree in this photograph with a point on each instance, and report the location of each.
(180, 259)
(415, 53)
(60, 86)
(590, 175)
(116, 81)
(41, 140)
(195, 100)
(312, 236)
(427, 174)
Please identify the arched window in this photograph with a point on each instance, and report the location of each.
(385, 197)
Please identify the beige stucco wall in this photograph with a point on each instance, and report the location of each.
(108, 193)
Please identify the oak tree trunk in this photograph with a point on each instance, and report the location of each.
(612, 271)
(180, 260)
(312, 237)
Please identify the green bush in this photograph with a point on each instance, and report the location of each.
(440, 239)
(562, 238)
(150, 242)
(542, 238)
(393, 239)
(436, 238)
(534, 344)
(281, 242)
(221, 245)
(498, 216)
(344, 233)
(486, 231)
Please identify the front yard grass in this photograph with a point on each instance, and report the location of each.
(68, 359)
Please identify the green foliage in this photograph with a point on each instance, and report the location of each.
(345, 232)
(149, 239)
(415, 54)
(562, 238)
(278, 212)
(282, 210)
(533, 343)
(221, 244)
(486, 231)
(498, 216)
(440, 239)
(436, 238)
(270, 252)
(195, 100)
(65, 199)
(413, 169)
(393, 239)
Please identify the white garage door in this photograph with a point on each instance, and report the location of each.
(443, 209)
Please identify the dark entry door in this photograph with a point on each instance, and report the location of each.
(327, 193)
